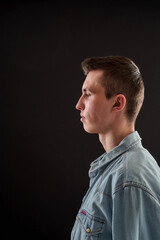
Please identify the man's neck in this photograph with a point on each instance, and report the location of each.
(113, 138)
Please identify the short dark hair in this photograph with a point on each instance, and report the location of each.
(120, 76)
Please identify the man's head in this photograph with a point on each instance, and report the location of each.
(120, 76)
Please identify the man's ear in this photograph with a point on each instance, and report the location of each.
(119, 103)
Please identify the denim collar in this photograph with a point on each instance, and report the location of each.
(106, 158)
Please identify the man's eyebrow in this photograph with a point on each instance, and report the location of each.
(91, 90)
(85, 89)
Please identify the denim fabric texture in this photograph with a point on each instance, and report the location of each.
(123, 199)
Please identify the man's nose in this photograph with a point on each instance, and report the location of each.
(80, 104)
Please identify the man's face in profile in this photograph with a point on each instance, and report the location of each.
(95, 108)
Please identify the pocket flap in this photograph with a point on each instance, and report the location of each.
(91, 224)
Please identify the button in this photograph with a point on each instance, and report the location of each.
(88, 230)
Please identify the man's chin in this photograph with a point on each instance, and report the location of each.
(90, 130)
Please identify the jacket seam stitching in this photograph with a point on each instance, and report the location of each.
(137, 185)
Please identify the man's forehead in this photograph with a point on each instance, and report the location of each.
(93, 79)
(96, 74)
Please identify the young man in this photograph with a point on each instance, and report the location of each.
(123, 200)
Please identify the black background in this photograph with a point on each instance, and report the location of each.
(45, 153)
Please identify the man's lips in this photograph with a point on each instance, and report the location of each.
(82, 118)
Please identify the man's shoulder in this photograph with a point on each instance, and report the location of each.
(140, 170)
(135, 167)
(139, 162)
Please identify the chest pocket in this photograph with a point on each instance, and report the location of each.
(92, 226)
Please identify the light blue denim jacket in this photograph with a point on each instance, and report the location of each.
(123, 200)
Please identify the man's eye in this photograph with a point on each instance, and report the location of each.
(87, 94)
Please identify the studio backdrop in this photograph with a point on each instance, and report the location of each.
(45, 153)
